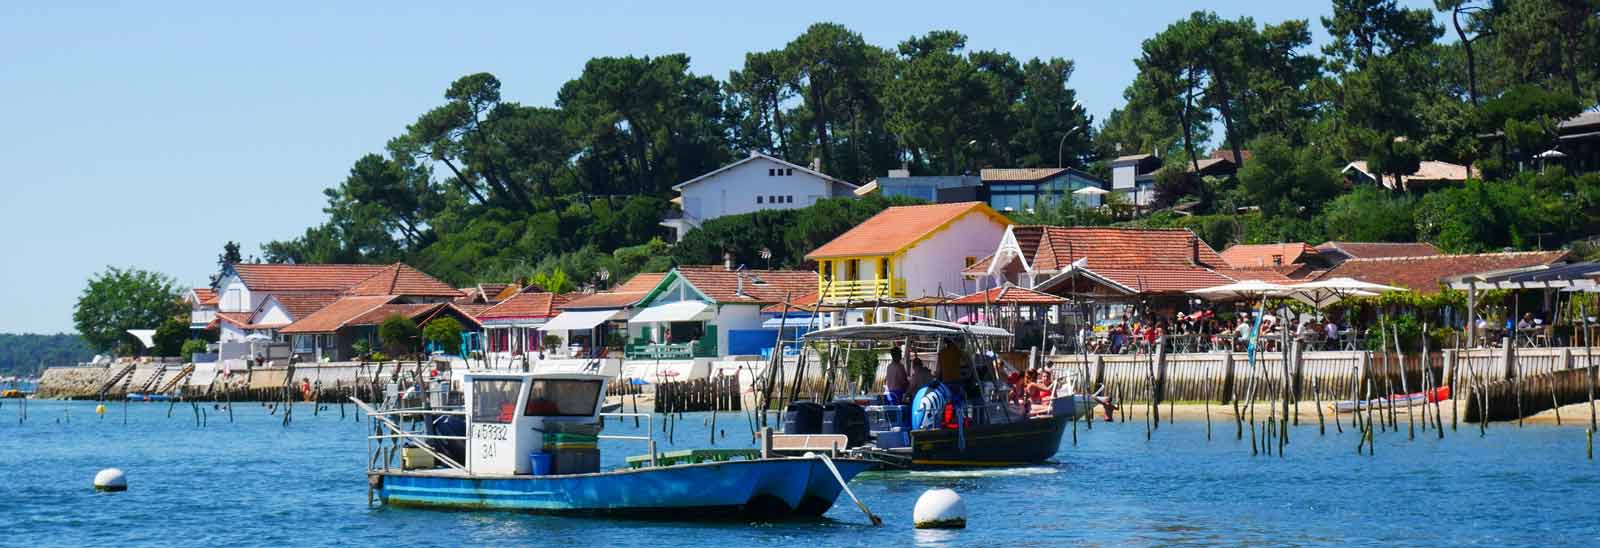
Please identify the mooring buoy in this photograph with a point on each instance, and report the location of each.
(111, 479)
(100, 409)
(940, 509)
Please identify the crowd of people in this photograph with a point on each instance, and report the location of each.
(1205, 330)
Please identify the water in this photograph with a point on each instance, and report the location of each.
(256, 483)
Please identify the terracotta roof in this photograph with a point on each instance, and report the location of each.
(471, 309)
(524, 306)
(1053, 248)
(337, 315)
(377, 315)
(304, 277)
(1009, 294)
(1428, 171)
(1423, 274)
(401, 279)
(1374, 250)
(300, 305)
(1163, 280)
(897, 228)
(1261, 255)
(238, 319)
(1018, 174)
(1273, 275)
(643, 281)
(759, 286)
(205, 296)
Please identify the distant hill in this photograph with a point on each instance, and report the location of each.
(30, 353)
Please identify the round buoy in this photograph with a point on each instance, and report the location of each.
(940, 509)
(100, 409)
(110, 479)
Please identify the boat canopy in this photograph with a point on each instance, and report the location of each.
(914, 329)
(579, 320)
(680, 311)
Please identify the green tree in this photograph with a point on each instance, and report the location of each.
(229, 256)
(1369, 214)
(444, 332)
(29, 353)
(170, 335)
(398, 334)
(191, 347)
(1288, 181)
(119, 299)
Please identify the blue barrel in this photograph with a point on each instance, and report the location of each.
(540, 463)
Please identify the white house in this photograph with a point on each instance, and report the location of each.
(261, 298)
(755, 183)
(696, 314)
(1134, 177)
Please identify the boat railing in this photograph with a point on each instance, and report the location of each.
(649, 432)
(388, 436)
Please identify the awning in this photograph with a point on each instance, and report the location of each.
(795, 322)
(680, 311)
(578, 320)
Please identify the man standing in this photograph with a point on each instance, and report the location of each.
(896, 381)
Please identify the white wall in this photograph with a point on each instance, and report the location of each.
(938, 261)
(233, 296)
(1123, 175)
(735, 316)
(272, 313)
(734, 191)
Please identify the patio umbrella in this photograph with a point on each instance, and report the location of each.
(1091, 191)
(1322, 293)
(1246, 289)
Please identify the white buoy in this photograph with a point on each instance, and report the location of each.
(111, 479)
(940, 509)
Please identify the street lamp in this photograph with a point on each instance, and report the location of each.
(1062, 146)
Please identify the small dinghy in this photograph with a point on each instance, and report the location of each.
(529, 442)
(1398, 400)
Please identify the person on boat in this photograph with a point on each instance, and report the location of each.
(920, 376)
(896, 381)
(949, 361)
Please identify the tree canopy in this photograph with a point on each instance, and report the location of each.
(120, 299)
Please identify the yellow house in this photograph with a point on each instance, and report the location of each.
(907, 252)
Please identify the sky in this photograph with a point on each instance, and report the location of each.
(147, 135)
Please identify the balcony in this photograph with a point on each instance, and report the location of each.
(199, 319)
(703, 348)
(861, 290)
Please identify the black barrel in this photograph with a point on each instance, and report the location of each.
(803, 417)
(847, 419)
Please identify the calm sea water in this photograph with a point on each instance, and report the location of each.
(256, 482)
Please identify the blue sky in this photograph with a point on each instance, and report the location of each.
(145, 135)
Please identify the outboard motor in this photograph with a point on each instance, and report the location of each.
(848, 419)
(803, 417)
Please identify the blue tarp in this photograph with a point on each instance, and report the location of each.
(750, 341)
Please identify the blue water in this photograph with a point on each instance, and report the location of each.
(256, 482)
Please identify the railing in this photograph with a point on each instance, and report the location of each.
(649, 432)
(385, 429)
(669, 351)
(201, 317)
(861, 290)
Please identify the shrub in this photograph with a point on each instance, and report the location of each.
(192, 347)
(444, 332)
(398, 334)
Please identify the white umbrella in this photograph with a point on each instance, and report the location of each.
(1091, 191)
(1333, 290)
(1245, 289)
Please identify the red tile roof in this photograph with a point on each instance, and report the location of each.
(304, 277)
(1009, 294)
(758, 286)
(1374, 250)
(377, 315)
(524, 306)
(334, 316)
(625, 294)
(401, 279)
(643, 281)
(300, 305)
(1018, 174)
(896, 228)
(1163, 280)
(205, 296)
(1423, 274)
(1262, 255)
(237, 319)
(471, 309)
(1053, 248)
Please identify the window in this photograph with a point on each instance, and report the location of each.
(853, 269)
(1277, 260)
(562, 398)
(827, 270)
(305, 344)
(495, 401)
(682, 332)
(883, 268)
(771, 172)
(789, 171)
(758, 199)
(969, 261)
(789, 198)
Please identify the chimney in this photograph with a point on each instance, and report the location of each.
(816, 165)
(1194, 249)
(727, 261)
(738, 290)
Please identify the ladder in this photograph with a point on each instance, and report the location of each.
(183, 375)
(126, 374)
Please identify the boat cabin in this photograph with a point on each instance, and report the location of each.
(511, 416)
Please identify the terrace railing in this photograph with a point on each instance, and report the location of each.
(671, 351)
(861, 290)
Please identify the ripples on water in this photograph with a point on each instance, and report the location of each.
(256, 482)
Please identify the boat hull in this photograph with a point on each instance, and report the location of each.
(1012, 444)
(769, 488)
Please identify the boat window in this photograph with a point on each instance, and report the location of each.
(495, 401)
(562, 398)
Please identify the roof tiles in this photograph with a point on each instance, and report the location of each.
(401, 279)
(1009, 294)
(304, 277)
(524, 306)
(336, 315)
(748, 286)
(896, 228)
(1266, 255)
(1423, 274)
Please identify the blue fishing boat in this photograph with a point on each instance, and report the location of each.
(529, 442)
